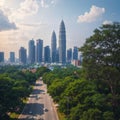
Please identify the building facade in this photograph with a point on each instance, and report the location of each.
(46, 54)
(12, 57)
(22, 55)
(62, 43)
(1, 56)
(53, 47)
(75, 53)
(39, 50)
(69, 55)
(31, 52)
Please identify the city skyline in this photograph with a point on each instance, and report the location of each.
(22, 20)
(49, 54)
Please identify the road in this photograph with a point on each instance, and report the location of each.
(40, 105)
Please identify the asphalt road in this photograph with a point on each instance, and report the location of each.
(40, 105)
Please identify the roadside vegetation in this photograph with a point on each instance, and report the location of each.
(15, 87)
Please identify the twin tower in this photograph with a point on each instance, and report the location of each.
(62, 45)
(53, 55)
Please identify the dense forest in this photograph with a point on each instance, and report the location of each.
(93, 92)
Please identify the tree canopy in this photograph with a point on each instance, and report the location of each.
(101, 60)
(102, 49)
(15, 85)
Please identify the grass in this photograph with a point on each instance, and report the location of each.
(25, 100)
(14, 116)
(61, 116)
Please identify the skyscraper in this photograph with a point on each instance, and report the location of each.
(69, 55)
(62, 43)
(12, 57)
(57, 55)
(53, 47)
(75, 53)
(39, 50)
(22, 55)
(47, 54)
(31, 52)
(1, 56)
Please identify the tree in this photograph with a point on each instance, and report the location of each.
(14, 86)
(48, 78)
(5, 89)
(101, 60)
(92, 114)
(108, 115)
(58, 86)
(76, 93)
(40, 71)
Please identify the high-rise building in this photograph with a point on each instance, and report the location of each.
(75, 53)
(69, 55)
(62, 43)
(31, 52)
(47, 54)
(53, 47)
(12, 57)
(1, 56)
(57, 55)
(39, 50)
(22, 55)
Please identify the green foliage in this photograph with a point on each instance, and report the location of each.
(77, 96)
(5, 86)
(8, 69)
(48, 78)
(92, 114)
(14, 86)
(76, 112)
(101, 61)
(56, 89)
(102, 49)
(108, 115)
(41, 71)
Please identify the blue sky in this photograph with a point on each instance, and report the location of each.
(22, 20)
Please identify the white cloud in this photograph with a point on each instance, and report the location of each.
(43, 4)
(47, 3)
(107, 22)
(52, 2)
(1, 3)
(5, 23)
(92, 15)
(27, 8)
(4, 8)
